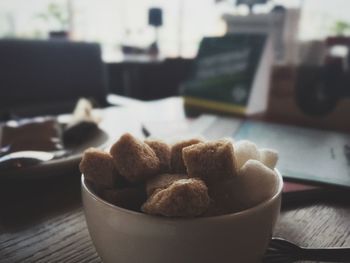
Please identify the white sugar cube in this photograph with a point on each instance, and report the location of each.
(257, 183)
(244, 151)
(268, 157)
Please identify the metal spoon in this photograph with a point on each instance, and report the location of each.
(27, 158)
(283, 251)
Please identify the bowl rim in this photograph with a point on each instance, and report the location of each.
(193, 219)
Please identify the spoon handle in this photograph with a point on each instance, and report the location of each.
(325, 254)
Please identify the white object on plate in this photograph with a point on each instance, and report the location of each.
(83, 111)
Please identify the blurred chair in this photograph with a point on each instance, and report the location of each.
(48, 77)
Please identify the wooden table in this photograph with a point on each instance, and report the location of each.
(43, 220)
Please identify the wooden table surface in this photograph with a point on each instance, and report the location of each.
(43, 221)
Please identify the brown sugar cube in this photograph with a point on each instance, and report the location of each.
(177, 162)
(128, 198)
(225, 196)
(210, 161)
(162, 181)
(183, 198)
(122, 182)
(98, 167)
(135, 160)
(97, 189)
(215, 209)
(162, 150)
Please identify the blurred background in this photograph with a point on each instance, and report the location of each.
(149, 47)
(115, 23)
(76, 74)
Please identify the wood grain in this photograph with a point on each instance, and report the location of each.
(316, 225)
(44, 222)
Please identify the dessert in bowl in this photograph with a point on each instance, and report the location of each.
(183, 218)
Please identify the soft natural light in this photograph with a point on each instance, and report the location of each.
(119, 22)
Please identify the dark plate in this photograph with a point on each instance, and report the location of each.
(66, 165)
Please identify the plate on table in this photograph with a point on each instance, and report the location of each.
(65, 165)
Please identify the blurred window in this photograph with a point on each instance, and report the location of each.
(124, 22)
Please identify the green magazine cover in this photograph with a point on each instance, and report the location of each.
(224, 72)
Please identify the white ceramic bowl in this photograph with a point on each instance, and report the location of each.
(124, 236)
